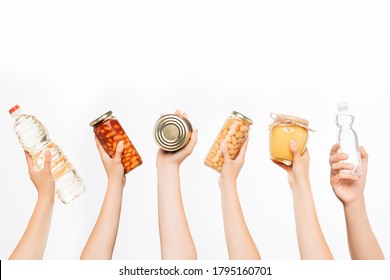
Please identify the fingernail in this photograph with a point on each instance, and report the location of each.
(47, 153)
(293, 143)
(120, 144)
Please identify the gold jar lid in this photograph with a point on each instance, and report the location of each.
(282, 119)
(99, 119)
(241, 116)
(172, 132)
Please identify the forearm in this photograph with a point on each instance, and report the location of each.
(238, 238)
(311, 241)
(175, 236)
(362, 242)
(101, 242)
(33, 242)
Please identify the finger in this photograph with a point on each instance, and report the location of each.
(346, 176)
(294, 150)
(100, 148)
(338, 166)
(47, 162)
(338, 157)
(363, 153)
(334, 149)
(241, 154)
(364, 157)
(194, 139)
(184, 115)
(225, 153)
(119, 151)
(29, 160)
(177, 112)
(306, 153)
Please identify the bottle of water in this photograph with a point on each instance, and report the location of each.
(347, 138)
(34, 138)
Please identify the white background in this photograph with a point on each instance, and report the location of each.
(67, 62)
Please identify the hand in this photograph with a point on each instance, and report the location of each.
(231, 168)
(42, 179)
(113, 166)
(168, 158)
(298, 172)
(346, 186)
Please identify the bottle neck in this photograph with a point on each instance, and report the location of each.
(17, 113)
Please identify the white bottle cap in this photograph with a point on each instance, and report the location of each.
(342, 106)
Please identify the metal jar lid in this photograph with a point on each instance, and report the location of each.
(241, 116)
(99, 119)
(172, 132)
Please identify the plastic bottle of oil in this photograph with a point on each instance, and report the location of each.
(34, 139)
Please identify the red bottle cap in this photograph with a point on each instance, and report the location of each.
(13, 109)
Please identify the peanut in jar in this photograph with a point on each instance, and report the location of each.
(109, 132)
(233, 134)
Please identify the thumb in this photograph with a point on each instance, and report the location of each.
(29, 161)
(119, 151)
(294, 149)
(225, 152)
(47, 162)
(364, 158)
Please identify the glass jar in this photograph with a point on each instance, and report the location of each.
(172, 132)
(284, 129)
(233, 134)
(109, 132)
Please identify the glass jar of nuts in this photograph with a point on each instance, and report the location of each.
(109, 132)
(233, 134)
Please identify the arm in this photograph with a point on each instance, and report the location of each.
(175, 236)
(311, 241)
(238, 238)
(33, 242)
(349, 189)
(101, 242)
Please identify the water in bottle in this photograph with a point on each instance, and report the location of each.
(34, 138)
(347, 138)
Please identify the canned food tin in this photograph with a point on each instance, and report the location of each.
(109, 132)
(172, 132)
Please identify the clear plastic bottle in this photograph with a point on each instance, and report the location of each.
(34, 139)
(347, 137)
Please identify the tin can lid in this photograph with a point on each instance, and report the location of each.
(241, 116)
(99, 119)
(172, 132)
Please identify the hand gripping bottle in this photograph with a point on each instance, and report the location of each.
(34, 139)
(347, 138)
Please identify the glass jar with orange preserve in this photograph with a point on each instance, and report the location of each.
(284, 129)
(233, 134)
(109, 132)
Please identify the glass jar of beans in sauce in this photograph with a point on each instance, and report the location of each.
(233, 134)
(109, 132)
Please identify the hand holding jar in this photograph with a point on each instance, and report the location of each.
(109, 132)
(233, 134)
(284, 129)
